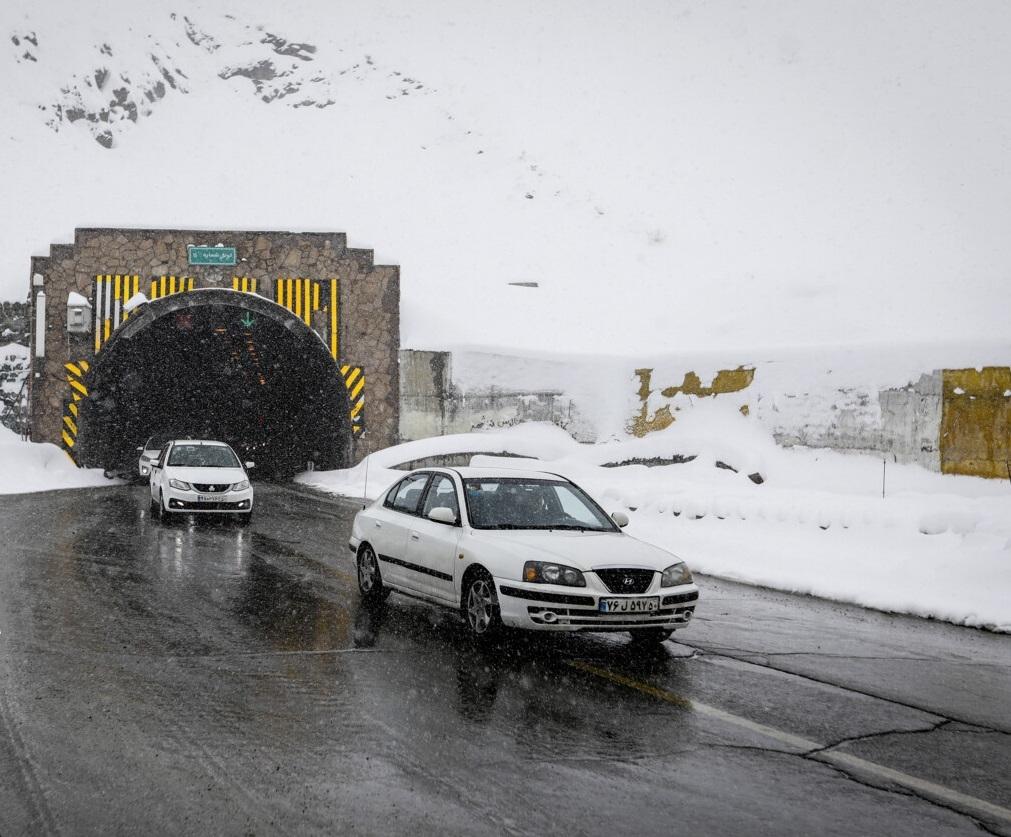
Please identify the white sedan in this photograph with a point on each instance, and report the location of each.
(518, 548)
(192, 475)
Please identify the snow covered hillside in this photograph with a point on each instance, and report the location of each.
(672, 175)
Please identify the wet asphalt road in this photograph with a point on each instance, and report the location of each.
(205, 678)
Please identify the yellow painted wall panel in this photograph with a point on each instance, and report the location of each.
(976, 422)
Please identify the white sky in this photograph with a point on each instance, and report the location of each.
(707, 174)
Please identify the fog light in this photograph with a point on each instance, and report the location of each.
(175, 504)
(242, 504)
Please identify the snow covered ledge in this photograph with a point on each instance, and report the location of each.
(27, 467)
(936, 546)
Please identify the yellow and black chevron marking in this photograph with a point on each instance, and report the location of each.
(112, 291)
(354, 380)
(168, 285)
(245, 284)
(78, 392)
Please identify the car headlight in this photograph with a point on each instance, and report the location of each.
(675, 575)
(182, 486)
(542, 572)
(241, 486)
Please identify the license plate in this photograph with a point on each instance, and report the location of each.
(644, 605)
(206, 498)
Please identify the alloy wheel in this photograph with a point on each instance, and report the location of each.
(480, 606)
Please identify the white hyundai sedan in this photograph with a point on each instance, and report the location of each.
(192, 475)
(519, 548)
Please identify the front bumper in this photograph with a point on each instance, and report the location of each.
(224, 502)
(542, 607)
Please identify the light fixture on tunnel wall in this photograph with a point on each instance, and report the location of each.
(40, 323)
(78, 314)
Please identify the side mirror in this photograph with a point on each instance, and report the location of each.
(620, 518)
(140, 449)
(250, 465)
(441, 514)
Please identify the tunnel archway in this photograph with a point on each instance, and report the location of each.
(217, 364)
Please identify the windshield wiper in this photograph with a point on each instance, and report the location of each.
(568, 527)
(510, 526)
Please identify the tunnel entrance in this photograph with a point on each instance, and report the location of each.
(216, 364)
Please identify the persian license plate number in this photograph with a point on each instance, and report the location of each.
(206, 498)
(643, 605)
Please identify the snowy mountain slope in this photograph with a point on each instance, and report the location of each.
(674, 176)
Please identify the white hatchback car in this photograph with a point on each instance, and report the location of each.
(193, 475)
(519, 548)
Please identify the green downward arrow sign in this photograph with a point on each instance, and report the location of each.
(247, 320)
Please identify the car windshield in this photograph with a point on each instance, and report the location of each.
(518, 503)
(203, 456)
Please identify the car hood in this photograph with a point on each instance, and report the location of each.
(582, 550)
(207, 476)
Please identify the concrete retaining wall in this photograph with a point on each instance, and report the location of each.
(862, 401)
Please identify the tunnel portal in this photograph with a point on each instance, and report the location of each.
(215, 364)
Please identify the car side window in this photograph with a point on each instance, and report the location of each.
(407, 495)
(441, 494)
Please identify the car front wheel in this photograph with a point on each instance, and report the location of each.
(370, 579)
(480, 606)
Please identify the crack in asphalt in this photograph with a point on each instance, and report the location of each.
(906, 792)
(846, 688)
(866, 737)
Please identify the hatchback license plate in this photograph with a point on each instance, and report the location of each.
(645, 605)
(205, 498)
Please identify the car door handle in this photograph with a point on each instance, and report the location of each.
(415, 536)
(379, 525)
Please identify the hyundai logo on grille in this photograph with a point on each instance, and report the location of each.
(628, 581)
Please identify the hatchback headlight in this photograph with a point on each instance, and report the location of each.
(675, 575)
(241, 486)
(182, 486)
(542, 572)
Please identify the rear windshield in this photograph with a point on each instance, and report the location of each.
(203, 456)
(516, 503)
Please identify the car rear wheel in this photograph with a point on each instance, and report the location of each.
(370, 579)
(650, 636)
(480, 606)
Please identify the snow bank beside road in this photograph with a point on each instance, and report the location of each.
(936, 546)
(26, 467)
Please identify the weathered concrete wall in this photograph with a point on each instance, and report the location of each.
(369, 316)
(853, 402)
(432, 405)
(902, 422)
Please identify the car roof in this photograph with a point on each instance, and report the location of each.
(503, 473)
(202, 442)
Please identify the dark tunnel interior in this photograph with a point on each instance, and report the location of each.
(220, 371)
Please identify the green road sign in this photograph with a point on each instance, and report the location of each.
(210, 255)
(247, 320)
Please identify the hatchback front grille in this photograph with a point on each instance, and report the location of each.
(626, 580)
(208, 488)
